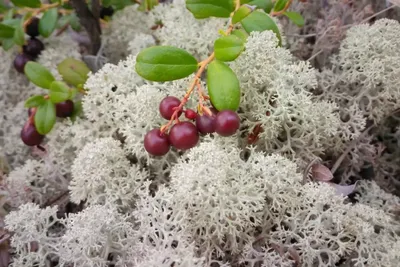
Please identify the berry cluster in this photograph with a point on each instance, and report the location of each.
(184, 135)
(33, 47)
(30, 136)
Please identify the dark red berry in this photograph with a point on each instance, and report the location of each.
(205, 123)
(190, 114)
(64, 109)
(168, 105)
(155, 143)
(227, 123)
(33, 47)
(30, 136)
(183, 135)
(32, 29)
(20, 62)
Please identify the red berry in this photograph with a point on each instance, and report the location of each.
(30, 136)
(190, 114)
(227, 123)
(64, 109)
(32, 29)
(155, 143)
(184, 135)
(20, 62)
(168, 105)
(205, 123)
(33, 47)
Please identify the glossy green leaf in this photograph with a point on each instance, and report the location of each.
(165, 63)
(228, 48)
(6, 31)
(241, 13)
(280, 5)
(59, 92)
(260, 21)
(210, 8)
(7, 43)
(48, 22)
(27, 3)
(73, 71)
(295, 17)
(34, 101)
(38, 74)
(223, 86)
(241, 34)
(19, 33)
(265, 5)
(45, 117)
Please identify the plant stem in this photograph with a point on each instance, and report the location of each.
(283, 10)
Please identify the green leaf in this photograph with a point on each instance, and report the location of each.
(27, 3)
(228, 48)
(78, 110)
(7, 43)
(147, 5)
(241, 13)
(260, 21)
(165, 63)
(265, 5)
(210, 8)
(48, 22)
(223, 86)
(6, 31)
(45, 117)
(34, 101)
(280, 5)
(38, 75)
(241, 34)
(59, 92)
(297, 18)
(73, 71)
(19, 33)
(74, 22)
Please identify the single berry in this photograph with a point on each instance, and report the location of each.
(33, 47)
(190, 114)
(168, 105)
(32, 29)
(30, 136)
(155, 143)
(183, 135)
(20, 62)
(227, 123)
(206, 123)
(106, 12)
(64, 109)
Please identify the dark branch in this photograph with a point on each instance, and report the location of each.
(96, 9)
(89, 22)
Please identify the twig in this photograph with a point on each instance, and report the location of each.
(89, 22)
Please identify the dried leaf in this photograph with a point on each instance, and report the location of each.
(321, 173)
(344, 190)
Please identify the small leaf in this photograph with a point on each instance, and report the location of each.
(147, 5)
(59, 92)
(27, 3)
(73, 71)
(297, 18)
(164, 63)
(280, 5)
(241, 13)
(210, 8)
(228, 48)
(241, 34)
(45, 117)
(6, 31)
(78, 110)
(265, 5)
(7, 43)
(321, 173)
(34, 101)
(223, 86)
(19, 33)
(48, 22)
(38, 75)
(260, 21)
